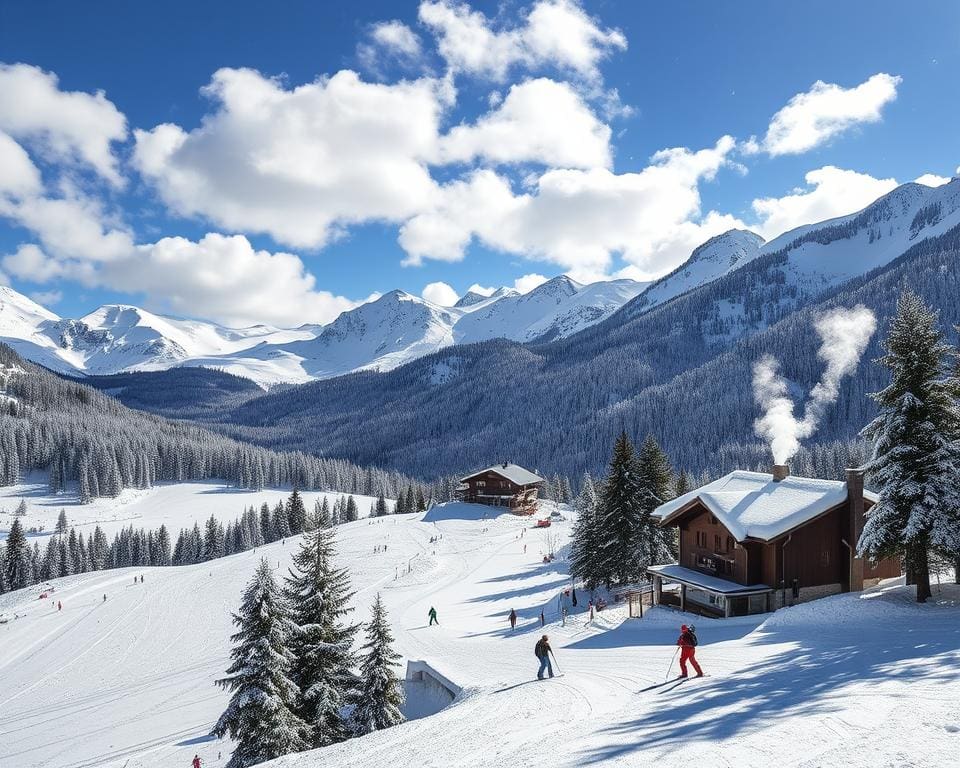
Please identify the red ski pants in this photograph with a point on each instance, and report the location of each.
(688, 653)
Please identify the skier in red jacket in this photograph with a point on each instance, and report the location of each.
(688, 650)
(196, 761)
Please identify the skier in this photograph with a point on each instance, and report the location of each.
(104, 598)
(688, 644)
(543, 651)
(513, 619)
(59, 606)
(433, 616)
(543, 619)
(196, 762)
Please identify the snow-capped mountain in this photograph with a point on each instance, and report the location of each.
(715, 258)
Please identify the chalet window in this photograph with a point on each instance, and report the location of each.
(731, 544)
(701, 539)
(713, 520)
(707, 563)
(716, 542)
(825, 558)
(481, 483)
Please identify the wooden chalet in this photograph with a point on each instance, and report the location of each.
(752, 542)
(503, 485)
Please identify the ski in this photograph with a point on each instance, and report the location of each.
(660, 685)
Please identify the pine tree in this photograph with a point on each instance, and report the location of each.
(350, 512)
(657, 545)
(62, 525)
(381, 695)
(296, 512)
(17, 560)
(318, 594)
(261, 717)
(281, 524)
(381, 506)
(620, 513)
(915, 458)
(682, 485)
(21, 510)
(586, 535)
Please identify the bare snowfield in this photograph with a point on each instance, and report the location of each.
(128, 683)
(176, 505)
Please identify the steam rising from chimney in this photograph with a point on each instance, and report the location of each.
(844, 335)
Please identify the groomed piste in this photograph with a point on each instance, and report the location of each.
(128, 682)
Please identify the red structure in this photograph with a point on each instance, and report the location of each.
(751, 542)
(503, 485)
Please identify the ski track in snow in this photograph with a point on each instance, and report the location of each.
(128, 683)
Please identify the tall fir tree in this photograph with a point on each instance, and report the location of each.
(296, 512)
(381, 693)
(915, 457)
(318, 595)
(586, 535)
(656, 544)
(17, 567)
(381, 506)
(621, 515)
(261, 715)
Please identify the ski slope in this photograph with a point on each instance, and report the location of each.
(849, 680)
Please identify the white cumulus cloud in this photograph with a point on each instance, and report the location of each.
(830, 192)
(539, 120)
(68, 126)
(299, 164)
(555, 33)
(440, 293)
(932, 180)
(826, 110)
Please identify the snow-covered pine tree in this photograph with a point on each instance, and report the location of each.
(62, 525)
(585, 544)
(915, 458)
(296, 512)
(381, 506)
(683, 484)
(381, 692)
(261, 716)
(281, 523)
(656, 545)
(318, 595)
(17, 561)
(620, 513)
(350, 512)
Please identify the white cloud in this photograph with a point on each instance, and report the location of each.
(47, 298)
(69, 126)
(18, 175)
(483, 290)
(932, 180)
(555, 33)
(299, 164)
(398, 37)
(830, 192)
(579, 218)
(440, 293)
(527, 283)
(539, 120)
(809, 119)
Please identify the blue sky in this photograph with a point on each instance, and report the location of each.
(475, 144)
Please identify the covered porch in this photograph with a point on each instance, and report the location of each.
(708, 595)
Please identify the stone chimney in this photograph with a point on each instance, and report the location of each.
(857, 521)
(780, 472)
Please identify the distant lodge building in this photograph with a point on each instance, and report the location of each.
(503, 485)
(752, 542)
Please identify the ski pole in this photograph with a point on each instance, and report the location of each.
(555, 663)
(671, 664)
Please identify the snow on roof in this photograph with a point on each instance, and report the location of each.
(512, 472)
(706, 581)
(752, 505)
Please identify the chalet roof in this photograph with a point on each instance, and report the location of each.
(512, 472)
(752, 506)
(705, 581)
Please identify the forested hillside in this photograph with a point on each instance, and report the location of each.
(681, 371)
(76, 433)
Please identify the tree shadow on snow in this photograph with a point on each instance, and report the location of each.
(633, 632)
(807, 680)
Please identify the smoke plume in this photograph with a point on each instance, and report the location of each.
(844, 335)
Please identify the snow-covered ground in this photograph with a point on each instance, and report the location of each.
(176, 505)
(850, 680)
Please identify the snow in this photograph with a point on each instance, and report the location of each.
(512, 472)
(711, 583)
(378, 335)
(753, 505)
(868, 679)
(176, 505)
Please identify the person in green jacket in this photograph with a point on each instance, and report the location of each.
(433, 616)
